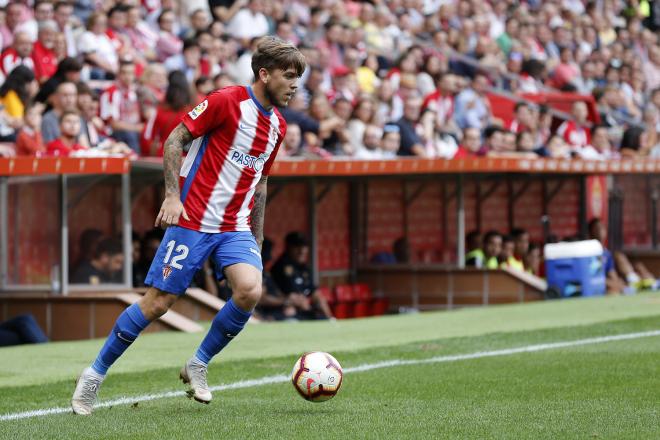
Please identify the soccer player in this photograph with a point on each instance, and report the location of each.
(214, 206)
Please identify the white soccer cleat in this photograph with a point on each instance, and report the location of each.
(194, 374)
(86, 393)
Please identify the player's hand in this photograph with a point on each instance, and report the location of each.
(170, 212)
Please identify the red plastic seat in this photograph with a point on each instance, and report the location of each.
(345, 301)
(377, 306)
(363, 301)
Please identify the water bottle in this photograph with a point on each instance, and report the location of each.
(55, 279)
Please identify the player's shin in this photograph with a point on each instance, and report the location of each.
(229, 321)
(127, 328)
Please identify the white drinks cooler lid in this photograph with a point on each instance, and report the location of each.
(573, 249)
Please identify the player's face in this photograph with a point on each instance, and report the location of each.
(281, 86)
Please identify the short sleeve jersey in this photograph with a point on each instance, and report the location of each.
(235, 143)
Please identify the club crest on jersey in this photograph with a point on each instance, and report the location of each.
(167, 270)
(246, 160)
(194, 113)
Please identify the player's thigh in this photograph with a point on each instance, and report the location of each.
(180, 255)
(237, 258)
(236, 248)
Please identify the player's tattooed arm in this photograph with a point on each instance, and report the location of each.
(173, 147)
(259, 209)
(172, 208)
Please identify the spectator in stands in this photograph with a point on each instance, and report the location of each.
(16, 93)
(22, 329)
(363, 115)
(471, 107)
(525, 143)
(43, 54)
(140, 35)
(93, 129)
(120, 108)
(474, 255)
(631, 143)
(67, 70)
(493, 140)
(506, 257)
(556, 148)
(67, 142)
(273, 304)
(148, 247)
(106, 266)
(224, 10)
(64, 100)
(601, 147)
(412, 143)
(533, 260)
(471, 144)
(520, 249)
(188, 61)
(332, 133)
(613, 282)
(294, 278)
(87, 244)
(441, 103)
(152, 87)
(168, 43)
(29, 141)
(523, 118)
(19, 54)
(391, 141)
(249, 23)
(63, 16)
(492, 249)
(575, 132)
(203, 87)
(178, 101)
(651, 68)
(16, 21)
(400, 253)
(372, 142)
(97, 48)
(292, 146)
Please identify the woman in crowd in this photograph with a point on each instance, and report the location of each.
(178, 101)
(16, 93)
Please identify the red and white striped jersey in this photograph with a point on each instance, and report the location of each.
(236, 141)
(9, 60)
(119, 104)
(574, 134)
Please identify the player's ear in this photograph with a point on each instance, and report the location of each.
(264, 76)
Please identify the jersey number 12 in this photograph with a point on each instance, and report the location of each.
(182, 250)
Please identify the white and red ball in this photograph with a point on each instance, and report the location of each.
(317, 376)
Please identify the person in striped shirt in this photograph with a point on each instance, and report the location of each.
(214, 207)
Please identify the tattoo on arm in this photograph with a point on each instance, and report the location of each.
(174, 144)
(258, 210)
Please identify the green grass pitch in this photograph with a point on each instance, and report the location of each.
(597, 389)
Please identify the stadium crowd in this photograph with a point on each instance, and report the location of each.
(386, 78)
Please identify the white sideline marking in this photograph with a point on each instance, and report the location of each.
(267, 380)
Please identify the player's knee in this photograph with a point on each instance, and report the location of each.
(247, 293)
(156, 304)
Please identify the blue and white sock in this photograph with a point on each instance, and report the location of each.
(229, 321)
(127, 328)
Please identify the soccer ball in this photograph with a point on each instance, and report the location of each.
(317, 376)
